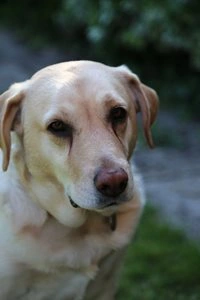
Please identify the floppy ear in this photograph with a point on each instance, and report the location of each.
(146, 102)
(9, 107)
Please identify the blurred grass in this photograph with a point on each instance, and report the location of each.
(161, 264)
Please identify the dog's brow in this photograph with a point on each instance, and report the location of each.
(57, 115)
(113, 100)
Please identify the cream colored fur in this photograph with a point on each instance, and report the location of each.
(48, 248)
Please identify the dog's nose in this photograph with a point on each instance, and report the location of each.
(111, 182)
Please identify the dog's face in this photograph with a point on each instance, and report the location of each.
(76, 123)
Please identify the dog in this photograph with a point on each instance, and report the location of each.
(70, 199)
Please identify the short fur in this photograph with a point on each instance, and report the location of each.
(48, 248)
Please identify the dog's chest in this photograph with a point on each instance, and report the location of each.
(48, 265)
(31, 285)
(57, 247)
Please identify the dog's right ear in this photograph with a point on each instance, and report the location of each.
(10, 104)
(145, 101)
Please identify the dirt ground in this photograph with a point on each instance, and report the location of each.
(171, 175)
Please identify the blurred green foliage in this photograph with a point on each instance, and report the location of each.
(160, 264)
(159, 40)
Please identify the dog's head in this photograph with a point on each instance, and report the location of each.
(76, 125)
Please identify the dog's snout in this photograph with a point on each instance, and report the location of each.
(111, 182)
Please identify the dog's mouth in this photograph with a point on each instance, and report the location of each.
(111, 220)
(73, 203)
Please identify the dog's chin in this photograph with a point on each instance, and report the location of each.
(108, 212)
(70, 216)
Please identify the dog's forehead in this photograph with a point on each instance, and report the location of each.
(74, 67)
(79, 74)
(73, 82)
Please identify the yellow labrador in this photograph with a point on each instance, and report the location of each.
(69, 200)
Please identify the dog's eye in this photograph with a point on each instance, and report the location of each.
(118, 115)
(60, 129)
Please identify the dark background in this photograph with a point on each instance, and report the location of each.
(159, 40)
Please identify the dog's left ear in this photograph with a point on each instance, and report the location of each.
(10, 103)
(145, 101)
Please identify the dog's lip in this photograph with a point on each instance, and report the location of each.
(114, 203)
(73, 203)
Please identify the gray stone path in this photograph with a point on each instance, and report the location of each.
(171, 176)
(172, 181)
